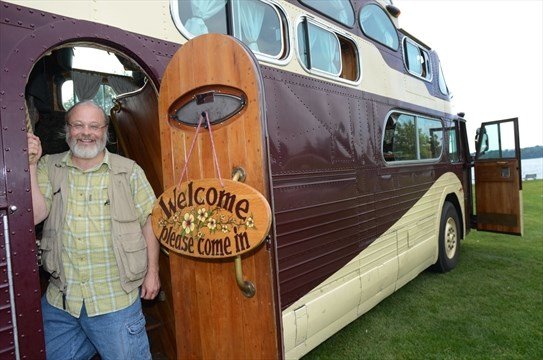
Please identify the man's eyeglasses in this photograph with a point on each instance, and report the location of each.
(92, 127)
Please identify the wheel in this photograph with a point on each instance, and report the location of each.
(449, 239)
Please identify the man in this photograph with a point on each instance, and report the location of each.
(97, 243)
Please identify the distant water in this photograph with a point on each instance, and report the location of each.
(532, 166)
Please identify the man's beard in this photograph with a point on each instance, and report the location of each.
(86, 151)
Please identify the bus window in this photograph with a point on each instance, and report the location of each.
(376, 25)
(454, 155)
(430, 136)
(339, 10)
(201, 17)
(409, 138)
(498, 141)
(442, 83)
(325, 52)
(104, 96)
(98, 75)
(258, 24)
(417, 60)
(319, 48)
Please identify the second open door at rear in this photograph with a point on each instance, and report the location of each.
(498, 184)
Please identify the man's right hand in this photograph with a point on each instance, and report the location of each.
(34, 148)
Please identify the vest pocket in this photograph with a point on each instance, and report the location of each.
(50, 253)
(133, 255)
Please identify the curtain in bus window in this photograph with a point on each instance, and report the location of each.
(251, 19)
(340, 11)
(120, 84)
(86, 85)
(323, 50)
(201, 11)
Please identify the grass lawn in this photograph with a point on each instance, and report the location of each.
(490, 306)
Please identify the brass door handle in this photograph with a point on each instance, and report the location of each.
(247, 287)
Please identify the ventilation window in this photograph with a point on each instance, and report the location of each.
(417, 60)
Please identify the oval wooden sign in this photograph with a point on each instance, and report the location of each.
(203, 219)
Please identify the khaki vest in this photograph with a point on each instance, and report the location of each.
(129, 243)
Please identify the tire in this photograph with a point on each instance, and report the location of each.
(449, 239)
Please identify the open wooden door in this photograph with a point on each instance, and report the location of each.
(498, 184)
(213, 317)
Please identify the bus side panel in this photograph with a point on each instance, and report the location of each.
(387, 264)
(21, 327)
(213, 318)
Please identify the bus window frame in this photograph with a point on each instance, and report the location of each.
(441, 80)
(427, 59)
(337, 33)
(411, 161)
(284, 56)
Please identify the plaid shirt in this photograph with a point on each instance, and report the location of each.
(89, 262)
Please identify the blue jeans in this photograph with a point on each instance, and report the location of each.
(117, 336)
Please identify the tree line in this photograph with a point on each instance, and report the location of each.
(534, 152)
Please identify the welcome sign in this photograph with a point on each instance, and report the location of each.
(204, 219)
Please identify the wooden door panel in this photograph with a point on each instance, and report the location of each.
(497, 178)
(498, 198)
(213, 319)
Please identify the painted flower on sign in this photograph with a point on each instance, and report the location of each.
(212, 224)
(195, 220)
(250, 223)
(188, 223)
(202, 215)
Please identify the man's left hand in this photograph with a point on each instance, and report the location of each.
(151, 285)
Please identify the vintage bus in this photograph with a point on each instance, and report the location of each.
(336, 115)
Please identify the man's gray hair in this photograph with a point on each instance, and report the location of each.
(87, 102)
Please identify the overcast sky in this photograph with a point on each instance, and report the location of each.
(492, 56)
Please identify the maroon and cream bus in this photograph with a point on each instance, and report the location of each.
(331, 111)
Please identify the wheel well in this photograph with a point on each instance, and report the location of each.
(454, 200)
